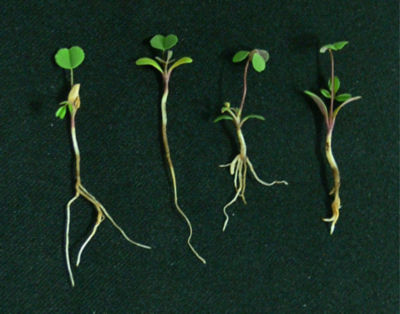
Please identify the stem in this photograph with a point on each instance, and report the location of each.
(336, 176)
(164, 98)
(72, 77)
(101, 211)
(332, 86)
(76, 149)
(242, 144)
(246, 68)
(68, 208)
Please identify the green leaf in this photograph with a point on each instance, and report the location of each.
(325, 93)
(223, 117)
(157, 42)
(337, 84)
(343, 97)
(340, 44)
(254, 116)
(258, 62)
(323, 49)
(149, 61)
(264, 54)
(335, 46)
(240, 56)
(181, 61)
(69, 58)
(70, 108)
(335, 113)
(319, 102)
(170, 41)
(60, 113)
(163, 43)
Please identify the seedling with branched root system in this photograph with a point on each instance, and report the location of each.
(165, 65)
(238, 167)
(69, 59)
(330, 118)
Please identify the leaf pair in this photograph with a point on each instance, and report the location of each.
(154, 63)
(335, 46)
(163, 43)
(70, 58)
(251, 116)
(322, 107)
(258, 58)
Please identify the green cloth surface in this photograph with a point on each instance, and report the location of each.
(276, 255)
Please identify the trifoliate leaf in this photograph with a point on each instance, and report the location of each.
(240, 56)
(70, 58)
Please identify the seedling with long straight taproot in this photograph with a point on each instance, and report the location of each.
(330, 118)
(238, 167)
(69, 59)
(165, 65)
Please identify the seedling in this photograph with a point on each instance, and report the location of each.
(238, 167)
(165, 65)
(330, 118)
(70, 59)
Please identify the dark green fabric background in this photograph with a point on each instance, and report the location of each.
(276, 255)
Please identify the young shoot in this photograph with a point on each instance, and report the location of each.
(238, 167)
(165, 65)
(69, 59)
(330, 118)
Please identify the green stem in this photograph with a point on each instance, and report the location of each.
(72, 77)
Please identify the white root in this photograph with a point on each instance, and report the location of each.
(238, 169)
(261, 181)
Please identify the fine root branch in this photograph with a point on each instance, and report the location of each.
(238, 169)
(101, 215)
(336, 205)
